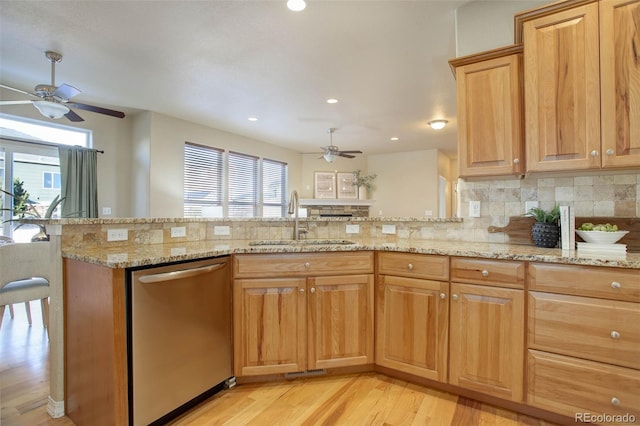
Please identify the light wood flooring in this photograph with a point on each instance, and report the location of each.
(357, 399)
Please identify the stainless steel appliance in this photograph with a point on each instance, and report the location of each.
(179, 338)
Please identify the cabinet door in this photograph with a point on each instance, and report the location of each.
(486, 350)
(412, 323)
(620, 75)
(562, 90)
(340, 331)
(269, 326)
(490, 137)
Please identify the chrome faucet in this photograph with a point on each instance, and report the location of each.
(294, 206)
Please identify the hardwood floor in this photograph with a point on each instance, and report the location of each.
(358, 399)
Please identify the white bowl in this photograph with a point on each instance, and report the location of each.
(601, 237)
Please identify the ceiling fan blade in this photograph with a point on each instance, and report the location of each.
(342, 154)
(97, 109)
(19, 91)
(66, 92)
(14, 102)
(72, 116)
(351, 152)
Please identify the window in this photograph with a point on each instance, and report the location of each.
(202, 180)
(274, 188)
(243, 185)
(254, 187)
(29, 162)
(50, 180)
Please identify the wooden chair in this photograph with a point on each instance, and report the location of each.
(24, 276)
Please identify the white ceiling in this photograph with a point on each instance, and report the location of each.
(219, 62)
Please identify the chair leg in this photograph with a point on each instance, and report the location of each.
(11, 311)
(28, 308)
(45, 311)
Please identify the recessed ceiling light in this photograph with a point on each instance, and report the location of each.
(296, 5)
(394, 138)
(332, 101)
(253, 118)
(437, 124)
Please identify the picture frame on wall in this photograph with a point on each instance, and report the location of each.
(346, 186)
(324, 185)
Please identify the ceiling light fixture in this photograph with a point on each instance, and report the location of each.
(394, 139)
(332, 101)
(253, 118)
(296, 5)
(329, 157)
(51, 109)
(437, 124)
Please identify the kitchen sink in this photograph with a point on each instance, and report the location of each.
(299, 242)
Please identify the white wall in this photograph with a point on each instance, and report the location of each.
(407, 183)
(166, 144)
(488, 24)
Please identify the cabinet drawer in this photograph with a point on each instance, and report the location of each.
(302, 264)
(596, 329)
(502, 273)
(414, 265)
(575, 387)
(595, 281)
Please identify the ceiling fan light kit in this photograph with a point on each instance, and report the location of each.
(51, 109)
(331, 152)
(53, 101)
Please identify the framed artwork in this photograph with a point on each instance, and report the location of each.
(346, 186)
(325, 185)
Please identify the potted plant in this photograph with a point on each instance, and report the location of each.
(25, 208)
(365, 182)
(545, 231)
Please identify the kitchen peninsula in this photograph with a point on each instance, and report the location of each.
(458, 287)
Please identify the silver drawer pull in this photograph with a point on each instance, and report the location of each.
(610, 151)
(301, 290)
(410, 266)
(485, 273)
(616, 284)
(454, 296)
(615, 401)
(443, 296)
(615, 335)
(312, 290)
(307, 265)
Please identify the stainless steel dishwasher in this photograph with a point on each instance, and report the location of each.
(180, 349)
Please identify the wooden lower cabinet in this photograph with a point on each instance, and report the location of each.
(292, 324)
(412, 326)
(486, 333)
(578, 388)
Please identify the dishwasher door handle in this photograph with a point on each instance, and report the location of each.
(176, 275)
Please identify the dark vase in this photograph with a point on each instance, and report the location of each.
(545, 234)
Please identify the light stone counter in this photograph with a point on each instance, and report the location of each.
(153, 254)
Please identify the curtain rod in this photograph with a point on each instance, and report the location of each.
(55, 145)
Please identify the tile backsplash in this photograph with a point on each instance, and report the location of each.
(616, 195)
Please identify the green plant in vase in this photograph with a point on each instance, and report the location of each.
(545, 232)
(361, 181)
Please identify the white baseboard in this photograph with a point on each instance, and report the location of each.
(55, 409)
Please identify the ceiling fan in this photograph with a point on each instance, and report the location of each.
(332, 151)
(54, 101)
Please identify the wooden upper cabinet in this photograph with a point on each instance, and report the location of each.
(562, 90)
(489, 97)
(620, 76)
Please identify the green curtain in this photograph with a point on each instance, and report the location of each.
(79, 181)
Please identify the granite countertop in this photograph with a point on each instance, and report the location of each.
(153, 254)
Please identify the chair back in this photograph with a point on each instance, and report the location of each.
(25, 260)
